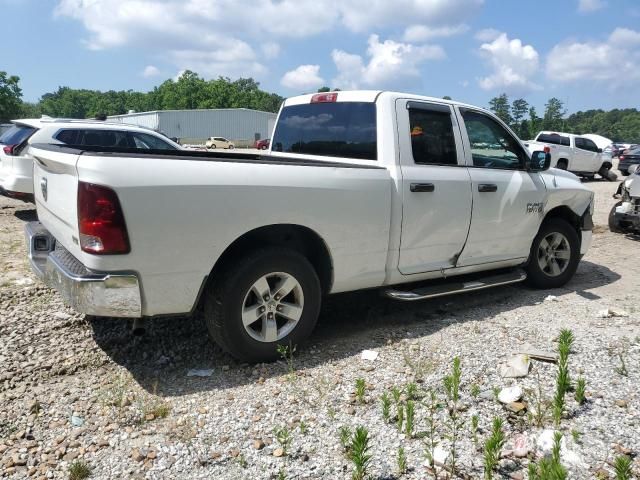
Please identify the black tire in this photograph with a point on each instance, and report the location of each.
(225, 300)
(230, 147)
(607, 174)
(625, 173)
(614, 225)
(263, 147)
(536, 276)
(562, 164)
(212, 146)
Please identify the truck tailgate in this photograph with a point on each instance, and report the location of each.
(55, 180)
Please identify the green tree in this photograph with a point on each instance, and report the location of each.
(519, 109)
(324, 89)
(30, 110)
(553, 113)
(446, 97)
(10, 97)
(500, 106)
(535, 123)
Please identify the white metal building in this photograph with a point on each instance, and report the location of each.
(241, 125)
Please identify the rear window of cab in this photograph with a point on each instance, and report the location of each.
(554, 139)
(333, 129)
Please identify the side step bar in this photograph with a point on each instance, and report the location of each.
(441, 290)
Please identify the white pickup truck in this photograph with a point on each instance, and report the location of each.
(360, 190)
(579, 155)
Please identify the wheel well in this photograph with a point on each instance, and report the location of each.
(565, 213)
(607, 165)
(562, 160)
(301, 239)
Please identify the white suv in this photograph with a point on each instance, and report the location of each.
(16, 164)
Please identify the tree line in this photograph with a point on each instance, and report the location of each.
(190, 91)
(619, 125)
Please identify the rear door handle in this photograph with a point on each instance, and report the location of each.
(487, 187)
(422, 187)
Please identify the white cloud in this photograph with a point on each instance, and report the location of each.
(362, 15)
(193, 32)
(271, 50)
(422, 33)
(613, 62)
(586, 6)
(150, 71)
(303, 78)
(389, 62)
(487, 34)
(513, 65)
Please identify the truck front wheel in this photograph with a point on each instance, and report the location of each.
(554, 256)
(270, 297)
(607, 174)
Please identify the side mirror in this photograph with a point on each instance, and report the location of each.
(599, 150)
(633, 169)
(539, 161)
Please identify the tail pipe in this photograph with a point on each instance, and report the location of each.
(138, 327)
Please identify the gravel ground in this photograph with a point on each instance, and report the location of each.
(75, 389)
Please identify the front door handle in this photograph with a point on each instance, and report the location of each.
(487, 187)
(422, 187)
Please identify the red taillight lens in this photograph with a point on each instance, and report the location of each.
(547, 149)
(8, 149)
(324, 97)
(103, 230)
(621, 157)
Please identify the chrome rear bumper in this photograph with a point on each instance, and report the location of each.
(86, 291)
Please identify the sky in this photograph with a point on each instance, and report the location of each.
(585, 52)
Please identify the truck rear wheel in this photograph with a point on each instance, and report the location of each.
(271, 297)
(554, 256)
(562, 164)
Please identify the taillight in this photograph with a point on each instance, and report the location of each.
(100, 220)
(621, 157)
(9, 149)
(324, 97)
(547, 149)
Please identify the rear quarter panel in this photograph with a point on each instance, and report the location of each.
(182, 214)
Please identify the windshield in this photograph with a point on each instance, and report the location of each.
(16, 134)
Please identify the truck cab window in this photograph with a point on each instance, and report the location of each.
(432, 140)
(336, 129)
(492, 146)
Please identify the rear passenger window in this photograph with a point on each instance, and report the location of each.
(334, 129)
(103, 138)
(68, 137)
(432, 140)
(150, 142)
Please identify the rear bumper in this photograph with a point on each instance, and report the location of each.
(16, 183)
(86, 291)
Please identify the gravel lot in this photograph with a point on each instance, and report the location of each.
(77, 389)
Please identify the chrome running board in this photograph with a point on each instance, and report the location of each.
(441, 290)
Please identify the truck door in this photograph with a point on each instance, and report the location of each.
(436, 187)
(590, 158)
(508, 201)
